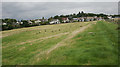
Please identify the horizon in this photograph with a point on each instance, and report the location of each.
(53, 16)
(29, 10)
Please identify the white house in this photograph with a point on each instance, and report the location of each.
(55, 21)
(38, 21)
(21, 22)
(65, 20)
(17, 22)
(4, 23)
(109, 17)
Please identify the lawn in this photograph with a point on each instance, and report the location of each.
(80, 43)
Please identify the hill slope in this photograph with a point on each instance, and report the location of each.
(87, 43)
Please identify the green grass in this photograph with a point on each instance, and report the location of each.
(97, 45)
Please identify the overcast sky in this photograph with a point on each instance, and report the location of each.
(60, 0)
(35, 10)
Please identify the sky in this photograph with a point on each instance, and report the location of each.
(19, 9)
(60, 0)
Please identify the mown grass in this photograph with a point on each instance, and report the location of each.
(97, 45)
(97, 48)
(26, 34)
(15, 53)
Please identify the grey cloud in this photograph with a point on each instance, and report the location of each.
(60, 0)
(33, 10)
(0, 10)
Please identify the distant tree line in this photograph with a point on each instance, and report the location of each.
(11, 23)
(81, 14)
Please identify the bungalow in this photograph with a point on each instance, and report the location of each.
(65, 20)
(55, 21)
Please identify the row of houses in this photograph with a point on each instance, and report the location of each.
(57, 21)
(80, 19)
(113, 19)
(30, 22)
(37, 21)
(110, 17)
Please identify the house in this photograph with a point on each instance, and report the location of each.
(76, 19)
(43, 20)
(55, 21)
(21, 22)
(29, 22)
(17, 23)
(80, 19)
(65, 20)
(116, 19)
(37, 21)
(99, 18)
(89, 18)
(95, 18)
(4, 23)
(109, 17)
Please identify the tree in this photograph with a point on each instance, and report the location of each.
(25, 23)
(82, 14)
(74, 15)
(56, 17)
(79, 14)
(43, 18)
(50, 19)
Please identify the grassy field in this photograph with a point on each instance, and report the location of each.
(80, 43)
